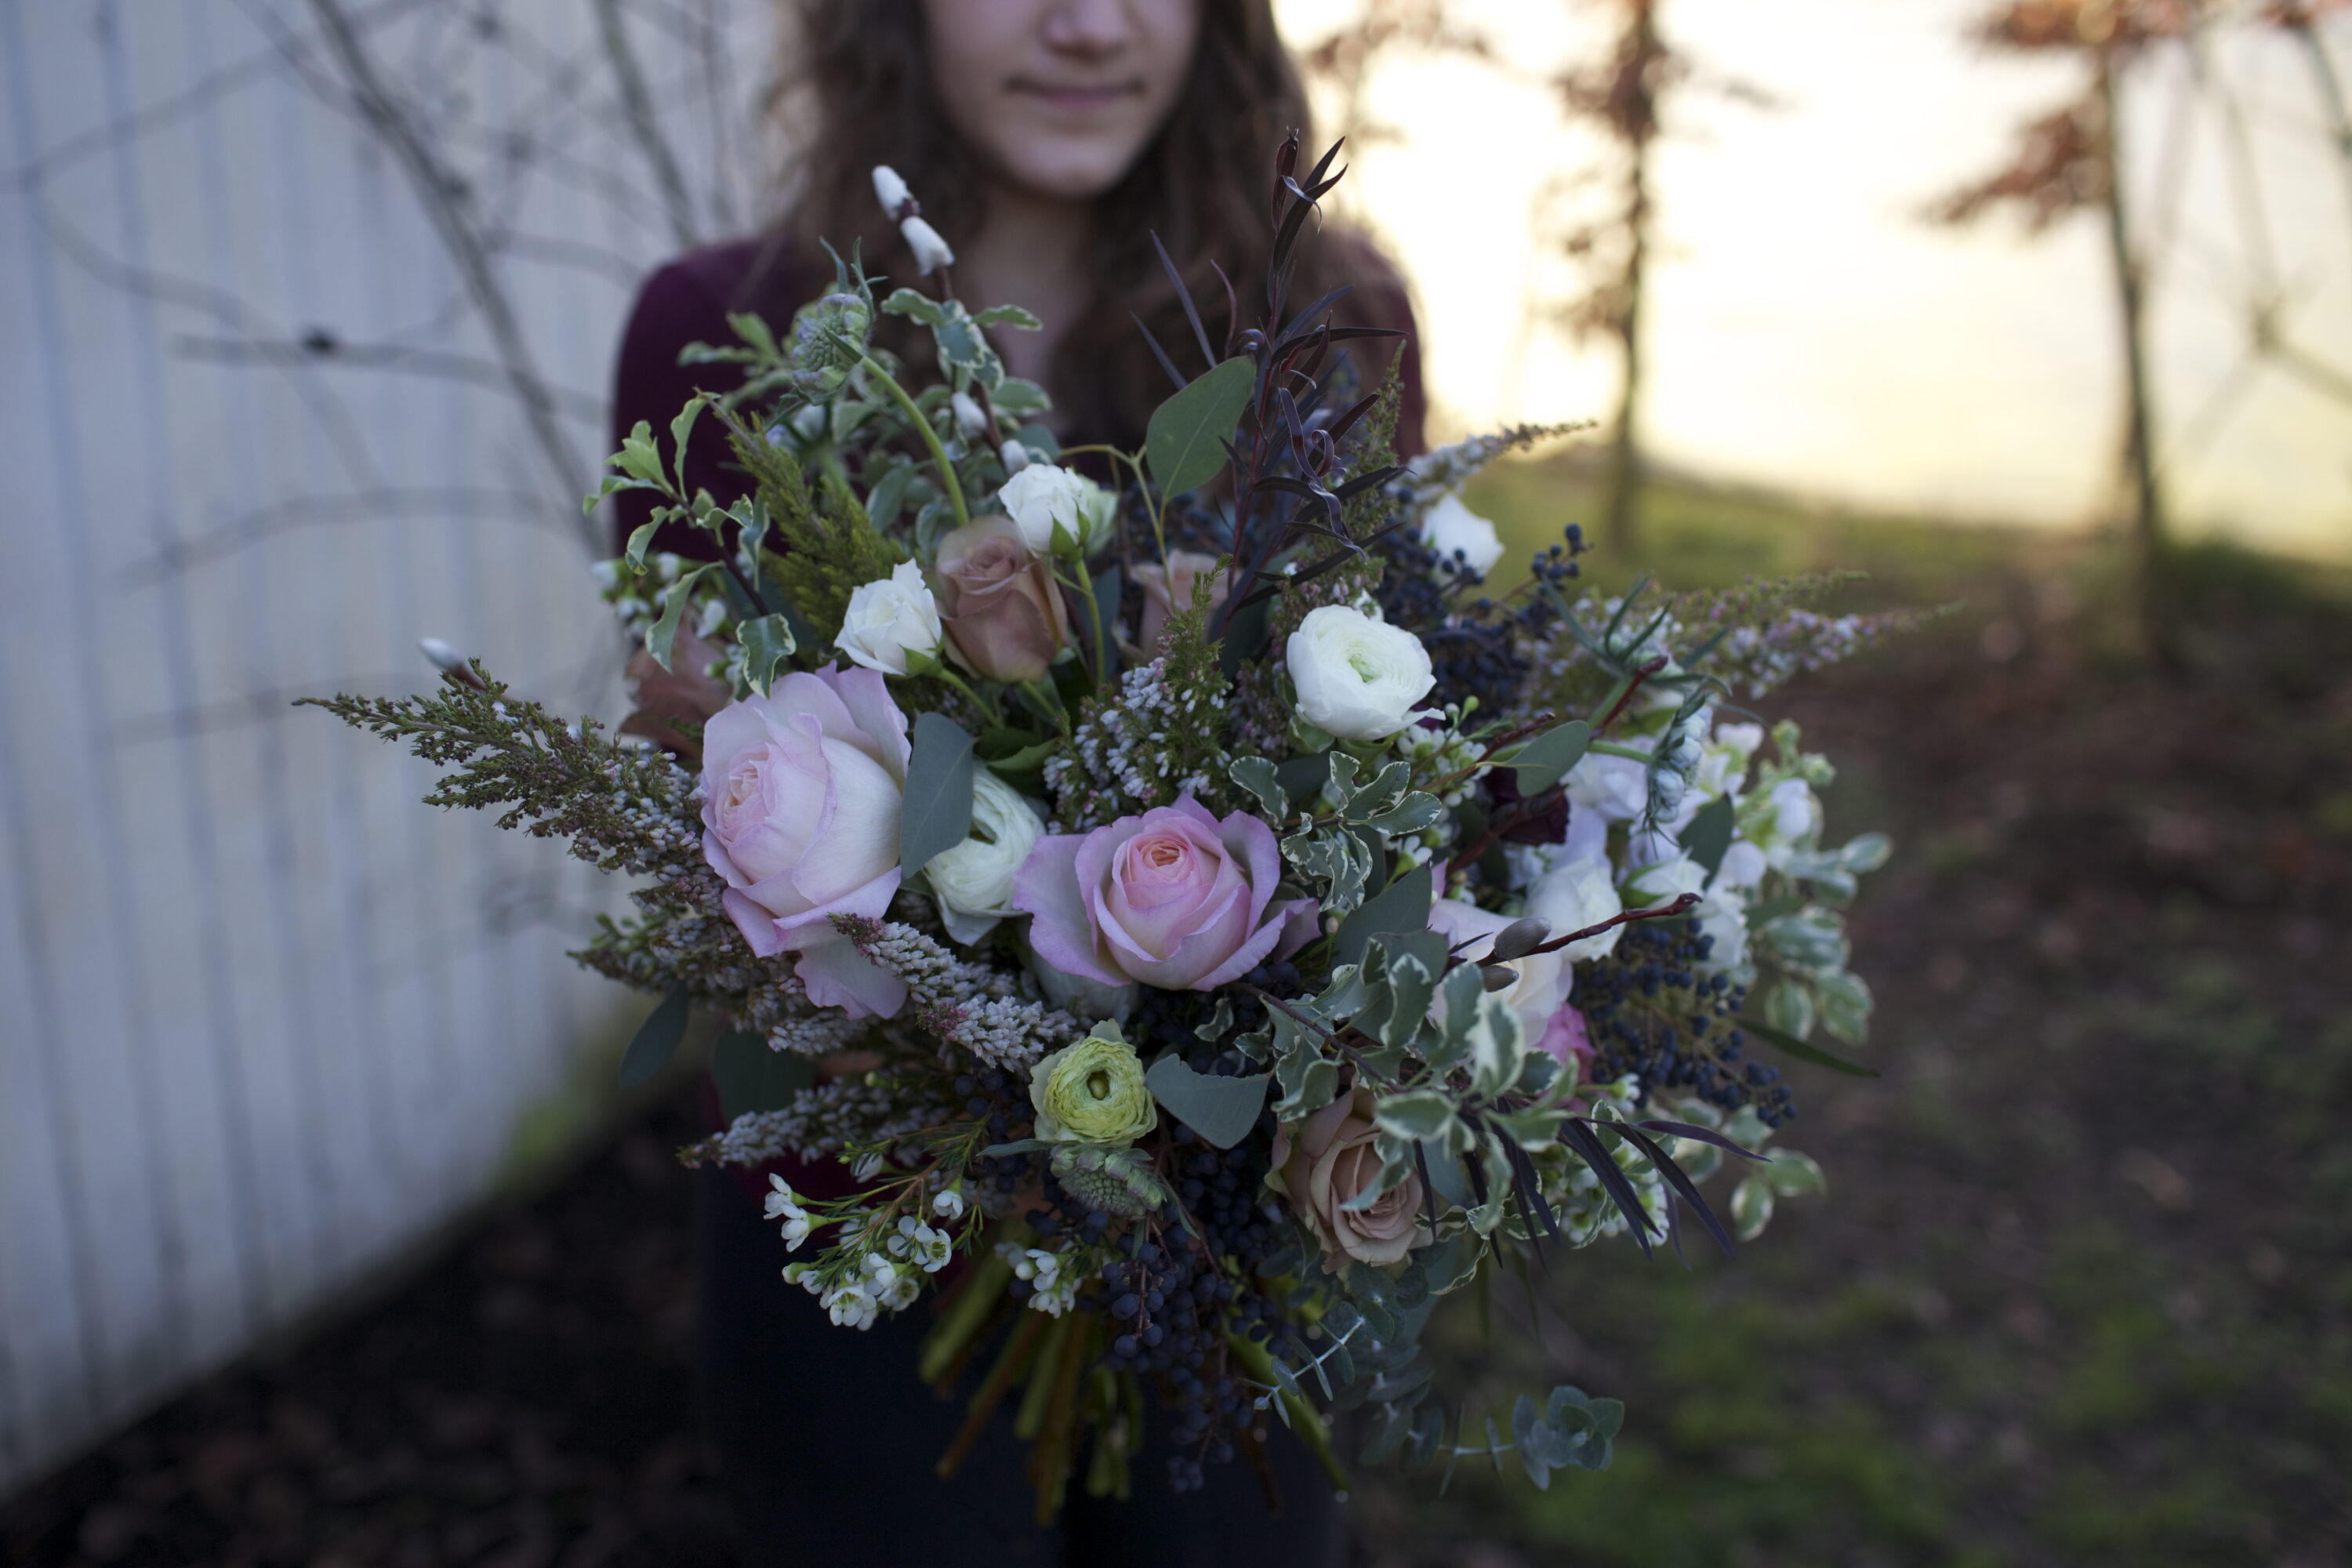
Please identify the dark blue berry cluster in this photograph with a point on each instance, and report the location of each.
(1477, 648)
(1649, 1011)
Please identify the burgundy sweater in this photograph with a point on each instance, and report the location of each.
(687, 301)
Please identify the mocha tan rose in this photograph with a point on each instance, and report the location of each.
(1322, 1163)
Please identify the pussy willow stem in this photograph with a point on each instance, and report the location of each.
(931, 436)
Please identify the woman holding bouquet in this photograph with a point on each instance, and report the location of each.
(1050, 140)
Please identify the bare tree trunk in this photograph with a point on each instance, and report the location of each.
(1620, 520)
(2158, 626)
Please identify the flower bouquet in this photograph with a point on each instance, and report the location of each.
(1208, 927)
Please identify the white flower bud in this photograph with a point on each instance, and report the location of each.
(890, 618)
(967, 413)
(931, 252)
(890, 190)
(1042, 496)
(1356, 677)
(1014, 455)
(443, 656)
(974, 880)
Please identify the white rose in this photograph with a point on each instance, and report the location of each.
(1449, 527)
(1357, 678)
(1042, 496)
(1578, 895)
(974, 880)
(890, 618)
(1543, 979)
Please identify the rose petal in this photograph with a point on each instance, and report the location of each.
(1046, 887)
(838, 976)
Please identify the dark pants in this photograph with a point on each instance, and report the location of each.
(827, 1441)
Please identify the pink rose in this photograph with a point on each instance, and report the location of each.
(1174, 899)
(1168, 590)
(1328, 1160)
(1566, 1037)
(801, 797)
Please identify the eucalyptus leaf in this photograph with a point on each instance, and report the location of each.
(937, 815)
(1545, 761)
(656, 1038)
(1185, 442)
(751, 1076)
(1708, 835)
(1221, 1111)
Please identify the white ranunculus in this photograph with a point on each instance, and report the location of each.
(890, 190)
(974, 880)
(1578, 895)
(1450, 527)
(1357, 677)
(931, 252)
(1043, 496)
(890, 618)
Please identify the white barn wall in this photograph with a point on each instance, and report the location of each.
(263, 1020)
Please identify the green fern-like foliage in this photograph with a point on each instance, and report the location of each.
(828, 547)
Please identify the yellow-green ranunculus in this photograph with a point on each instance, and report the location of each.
(1092, 1092)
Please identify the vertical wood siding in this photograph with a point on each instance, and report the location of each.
(265, 1020)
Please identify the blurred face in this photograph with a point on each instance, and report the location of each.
(1060, 97)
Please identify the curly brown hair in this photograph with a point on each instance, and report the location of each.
(856, 92)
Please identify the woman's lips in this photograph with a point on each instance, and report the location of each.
(1074, 98)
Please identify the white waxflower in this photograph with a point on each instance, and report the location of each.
(918, 1243)
(850, 1306)
(900, 1294)
(890, 618)
(931, 252)
(974, 880)
(1044, 499)
(783, 1205)
(967, 413)
(1357, 677)
(1450, 527)
(890, 190)
(948, 1204)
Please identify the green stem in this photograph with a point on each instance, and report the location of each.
(1612, 748)
(931, 436)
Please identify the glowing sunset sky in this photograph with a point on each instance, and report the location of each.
(1809, 332)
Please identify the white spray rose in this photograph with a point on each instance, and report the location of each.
(890, 618)
(1578, 895)
(1042, 496)
(1357, 677)
(974, 880)
(1450, 527)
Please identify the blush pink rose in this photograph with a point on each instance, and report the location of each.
(802, 790)
(1173, 898)
(1324, 1162)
